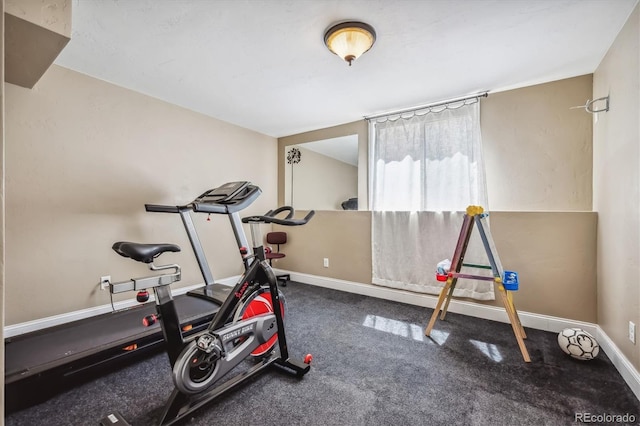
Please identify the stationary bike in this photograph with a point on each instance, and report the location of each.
(249, 323)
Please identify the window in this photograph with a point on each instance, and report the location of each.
(428, 162)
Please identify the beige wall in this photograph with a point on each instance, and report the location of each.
(554, 254)
(554, 251)
(616, 188)
(537, 151)
(82, 158)
(344, 237)
(320, 182)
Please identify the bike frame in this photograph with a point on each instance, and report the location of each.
(257, 274)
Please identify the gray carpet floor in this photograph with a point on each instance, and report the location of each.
(372, 365)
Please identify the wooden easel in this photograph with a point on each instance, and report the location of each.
(475, 215)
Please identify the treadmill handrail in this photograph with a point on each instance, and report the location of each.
(159, 208)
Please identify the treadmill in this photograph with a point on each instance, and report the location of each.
(40, 364)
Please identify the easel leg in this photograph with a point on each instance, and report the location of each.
(443, 293)
(518, 330)
(515, 314)
(449, 296)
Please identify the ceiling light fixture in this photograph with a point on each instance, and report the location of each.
(349, 40)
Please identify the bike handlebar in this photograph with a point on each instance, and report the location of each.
(270, 217)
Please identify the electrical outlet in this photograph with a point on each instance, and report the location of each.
(326, 262)
(104, 282)
(632, 332)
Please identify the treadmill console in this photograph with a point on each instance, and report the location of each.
(228, 198)
(225, 193)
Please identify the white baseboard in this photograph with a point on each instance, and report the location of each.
(528, 319)
(621, 362)
(41, 323)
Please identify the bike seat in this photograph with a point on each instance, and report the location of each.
(142, 252)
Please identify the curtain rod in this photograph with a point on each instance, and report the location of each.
(435, 104)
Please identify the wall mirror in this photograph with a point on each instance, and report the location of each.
(322, 174)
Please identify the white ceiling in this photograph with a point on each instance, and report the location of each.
(262, 64)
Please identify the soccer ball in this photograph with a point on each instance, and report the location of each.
(578, 343)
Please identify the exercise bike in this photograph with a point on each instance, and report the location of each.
(249, 323)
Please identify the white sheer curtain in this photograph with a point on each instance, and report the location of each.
(430, 162)
(424, 169)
